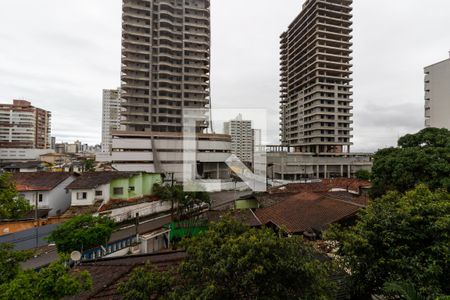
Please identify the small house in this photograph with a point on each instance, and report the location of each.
(47, 189)
(94, 187)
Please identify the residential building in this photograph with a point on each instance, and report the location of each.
(26, 167)
(310, 213)
(56, 159)
(110, 117)
(103, 187)
(165, 62)
(437, 95)
(241, 138)
(165, 72)
(24, 126)
(61, 148)
(53, 143)
(316, 96)
(316, 90)
(48, 190)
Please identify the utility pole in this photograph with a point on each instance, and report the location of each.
(36, 218)
(137, 225)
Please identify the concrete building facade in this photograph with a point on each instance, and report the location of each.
(437, 95)
(241, 138)
(23, 126)
(152, 152)
(316, 91)
(165, 62)
(110, 117)
(292, 166)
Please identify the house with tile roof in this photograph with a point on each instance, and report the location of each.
(309, 213)
(47, 189)
(93, 187)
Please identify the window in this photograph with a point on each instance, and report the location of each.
(131, 189)
(118, 191)
(40, 197)
(98, 193)
(81, 196)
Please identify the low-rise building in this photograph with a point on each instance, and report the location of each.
(295, 166)
(19, 154)
(47, 189)
(102, 187)
(162, 152)
(309, 213)
(55, 158)
(26, 167)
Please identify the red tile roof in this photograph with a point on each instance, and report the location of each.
(92, 180)
(107, 274)
(308, 211)
(39, 181)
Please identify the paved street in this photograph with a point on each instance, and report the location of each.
(220, 200)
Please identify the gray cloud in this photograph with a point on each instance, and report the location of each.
(60, 54)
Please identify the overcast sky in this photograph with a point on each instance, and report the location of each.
(60, 54)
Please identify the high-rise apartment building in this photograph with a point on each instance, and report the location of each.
(165, 62)
(23, 126)
(165, 72)
(437, 95)
(316, 91)
(110, 117)
(241, 138)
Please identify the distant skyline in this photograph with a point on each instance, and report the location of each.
(61, 54)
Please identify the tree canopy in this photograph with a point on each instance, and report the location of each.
(12, 205)
(232, 261)
(184, 204)
(52, 282)
(10, 262)
(82, 233)
(399, 238)
(423, 157)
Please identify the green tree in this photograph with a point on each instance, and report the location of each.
(184, 204)
(363, 175)
(53, 282)
(399, 238)
(12, 205)
(232, 261)
(10, 262)
(145, 283)
(420, 158)
(82, 233)
(89, 165)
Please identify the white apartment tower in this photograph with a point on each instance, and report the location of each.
(165, 62)
(437, 95)
(241, 138)
(316, 90)
(110, 117)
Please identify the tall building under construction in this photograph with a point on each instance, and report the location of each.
(165, 62)
(316, 91)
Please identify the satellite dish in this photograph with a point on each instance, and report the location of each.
(75, 256)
